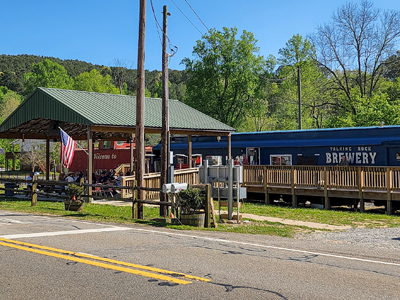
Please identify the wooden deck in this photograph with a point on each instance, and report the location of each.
(358, 184)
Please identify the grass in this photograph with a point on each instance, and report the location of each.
(331, 217)
(123, 215)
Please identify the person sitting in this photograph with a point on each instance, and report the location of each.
(245, 160)
(118, 183)
(104, 178)
(70, 177)
(344, 161)
(237, 161)
(94, 178)
(78, 176)
(60, 188)
(29, 185)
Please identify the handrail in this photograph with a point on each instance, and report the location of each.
(152, 180)
(337, 177)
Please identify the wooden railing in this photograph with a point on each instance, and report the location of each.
(152, 180)
(369, 178)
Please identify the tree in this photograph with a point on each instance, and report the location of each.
(353, 48)
(34, 156)
(120, 74)
(296, 53)
(258, 115)
(9, 101)
(392, 67)
(378, 108)
(47, 74)
(223, 76)
(93, 81)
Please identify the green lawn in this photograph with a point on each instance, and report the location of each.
(331, 217)
(123, 215)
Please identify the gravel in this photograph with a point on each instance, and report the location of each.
(388, 238)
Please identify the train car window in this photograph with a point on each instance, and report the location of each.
(106, 145)
(281, 160)
(307, 160)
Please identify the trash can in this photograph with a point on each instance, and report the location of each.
(9, 185)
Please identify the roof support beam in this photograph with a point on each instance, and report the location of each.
(90, 165)
(48, 158)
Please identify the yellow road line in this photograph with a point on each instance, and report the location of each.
(98, 264)
(107, 260)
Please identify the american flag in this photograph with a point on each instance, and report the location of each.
(67, 149)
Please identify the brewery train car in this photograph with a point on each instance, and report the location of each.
(108, 155)
(362, 146)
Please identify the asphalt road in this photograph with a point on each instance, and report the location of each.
(54, 258)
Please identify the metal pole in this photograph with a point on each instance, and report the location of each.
(230, 189)
(299, 93)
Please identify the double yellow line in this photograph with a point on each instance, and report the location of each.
(106, 263)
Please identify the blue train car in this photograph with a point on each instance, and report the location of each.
(362, 146)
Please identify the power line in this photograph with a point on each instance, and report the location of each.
(196, 15)
(173, 48)
(158, 26)
(186, 17)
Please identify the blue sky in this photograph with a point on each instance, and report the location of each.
(101, 32)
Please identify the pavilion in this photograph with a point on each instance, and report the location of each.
(86, 115)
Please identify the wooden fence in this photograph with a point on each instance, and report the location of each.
(362, 183)
(152, 180)
(381, 184)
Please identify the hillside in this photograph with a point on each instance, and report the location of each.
(13, 68)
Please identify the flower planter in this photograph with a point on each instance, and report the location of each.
(73, 205)
(196, 219)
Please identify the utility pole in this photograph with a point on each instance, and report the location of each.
(299, 93)
(165, 115)
(140, 108)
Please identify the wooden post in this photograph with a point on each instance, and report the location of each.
(123, 183)
(327, 203)
(389, 204)
(213, 213)
(48, 158)
(207, 220)
(131, 156)
(140, 106)
(135, 205)
(33, 192)
(360, 176)
(190, 150)
(90, 164)
(165, 116)
(293, 184)
(265, 184)
(81, 182)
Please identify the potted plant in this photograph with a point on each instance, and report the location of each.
(191, 202)
(74, 202)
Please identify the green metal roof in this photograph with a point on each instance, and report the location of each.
(88, 108)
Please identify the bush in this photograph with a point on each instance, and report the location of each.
(191, 200)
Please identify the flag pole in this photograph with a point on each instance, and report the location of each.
(75, 141)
